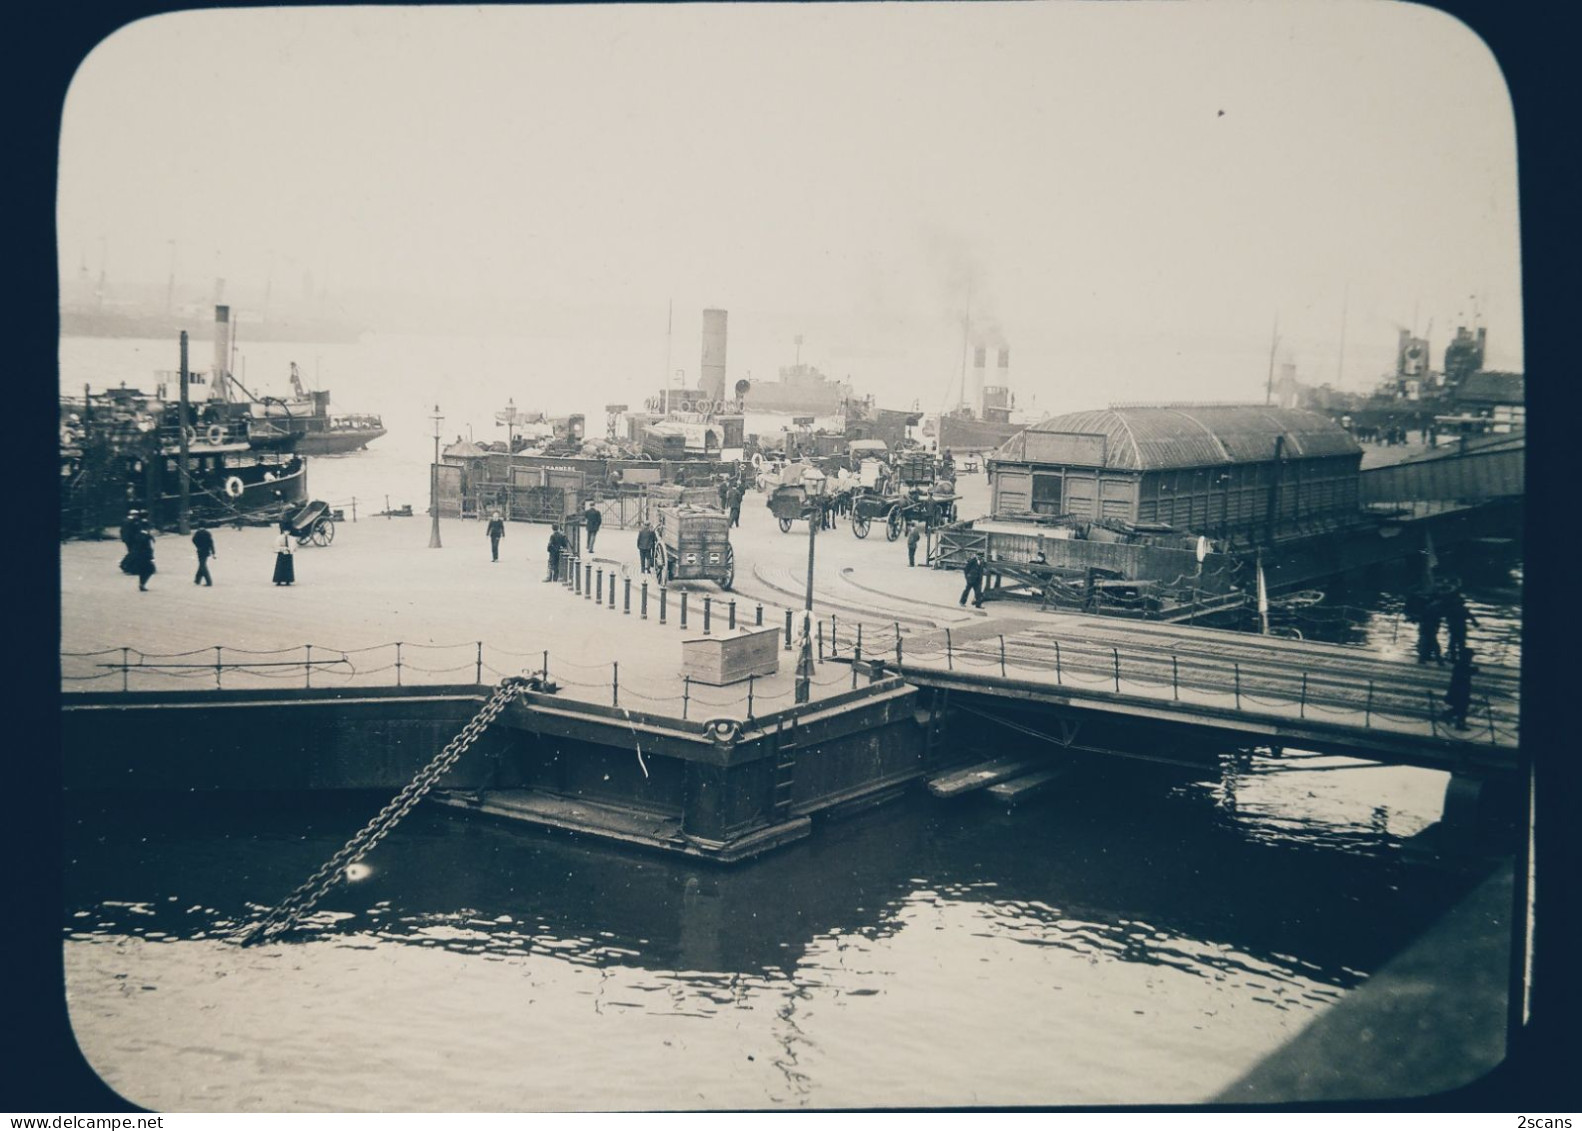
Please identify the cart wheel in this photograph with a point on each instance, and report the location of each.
(323, 532)
(892, 525)
(859, 525)
(729, 578)
(785, 526)
(661, 565)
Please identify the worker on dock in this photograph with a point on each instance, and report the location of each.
(646, 539)
(913, 536)
(496, 531)
(1458, 697)
(974, 574)
(733, 499)
(1457, 617)
(203, 542)
(558, 544)
(593, 520)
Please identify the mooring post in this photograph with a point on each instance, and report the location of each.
(615, 684)
(686, 690)
(950, 661)
(758, 615)
(1117, 652)
(307, 666)
(1175, 677)
(683, 610)
(126, 665)
(707, 601)
(1302, 707)
(788, 633)
(664, 601)
(730, 609)
(626, 606)
(217, 667)
(1002, 653)
(478, 674)
(398, 663)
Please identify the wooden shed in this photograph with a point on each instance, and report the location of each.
(1250, 472)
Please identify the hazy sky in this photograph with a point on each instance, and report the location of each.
(1116, 186)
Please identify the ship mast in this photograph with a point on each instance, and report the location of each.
(966, 323)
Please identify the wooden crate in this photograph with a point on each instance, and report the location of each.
(731, 657)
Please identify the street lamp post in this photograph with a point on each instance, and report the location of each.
(814, 485)
(433, 483)
(507, 416)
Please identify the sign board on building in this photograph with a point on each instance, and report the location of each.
(1083, 449)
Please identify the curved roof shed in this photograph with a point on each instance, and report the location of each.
(1167, 437)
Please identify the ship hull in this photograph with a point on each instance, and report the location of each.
(335, 443)
(961, 435)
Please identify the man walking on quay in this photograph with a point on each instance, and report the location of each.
(912, 537)
(203, 542)
(1458, 697)
(645, 547)
(593, 519)
(558, 542)
(1457, 617)
(496, 532)
(734, 498)
(974, 574)
(139, 558)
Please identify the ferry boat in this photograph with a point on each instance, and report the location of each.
(801, 390)
(307, 417)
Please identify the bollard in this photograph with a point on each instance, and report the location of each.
(626, 609)
(758, 615)
(642, 600)
(683, 611)
(706, 602)
(731, 614)
(599, 599)
(612, 590)
(587, 582)
(664, 601)
(576, 575)
(788, 634)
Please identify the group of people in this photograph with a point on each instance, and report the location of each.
(137, 535)
(731, 492)
(1444, 605)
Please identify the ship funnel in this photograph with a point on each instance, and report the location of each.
(712, 375)
(975, 393)
(218, 385)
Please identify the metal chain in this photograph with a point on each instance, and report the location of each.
(286, 914)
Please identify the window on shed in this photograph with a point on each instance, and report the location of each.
(1046, 494)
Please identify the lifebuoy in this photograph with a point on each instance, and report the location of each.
(722, 730)
(216, 433)
(684, 406)
(191, 432)
(758, 459)
(233, 487)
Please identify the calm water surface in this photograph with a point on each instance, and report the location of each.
(1136, 938)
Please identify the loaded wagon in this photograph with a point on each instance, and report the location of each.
(896, 511)
(694, 543)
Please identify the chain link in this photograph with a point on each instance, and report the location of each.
(290, 910)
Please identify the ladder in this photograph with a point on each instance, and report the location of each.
(785, 769)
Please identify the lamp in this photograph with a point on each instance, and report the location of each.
(433, 483)
(814, 484)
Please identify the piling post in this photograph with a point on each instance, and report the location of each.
(1117, 653)
(126, 664)
(730, 609)
(307, 666)
(683, 610)
(707, 601)
(686, 690)
(664, 601)
(758, 615)
(398, 663)
(478, 674)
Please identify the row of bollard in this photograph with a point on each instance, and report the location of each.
(586, 581)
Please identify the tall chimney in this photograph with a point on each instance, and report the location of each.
(975, 394)
(218, 385)
(712, 375)
(1005, 365)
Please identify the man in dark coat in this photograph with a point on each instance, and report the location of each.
(645, 547)
(203, 542)
(496, 532)
(1458, 697)
(593, 520)
(974, 574)
(1428, 610)
(140, 554)
(733, 498)
(558, 542)
(1457, 617)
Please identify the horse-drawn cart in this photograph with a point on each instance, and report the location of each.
(694, 544)
(897, 510)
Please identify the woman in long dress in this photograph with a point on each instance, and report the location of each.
(285, 547)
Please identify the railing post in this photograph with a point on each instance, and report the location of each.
(730, 609)
(478, 674)
(750, 680)
(307, 667)
(897, 645)
(788, 632)
(1302, 708)
(950, 660)
(821, 641)
(857, 652)
(758, 615)
(615, 684)
(1002, 654)
(1175, 677)
(1117, 652)
(707, 601)
(218, 667)
(1367, 711)
(398, 663)
(683, 610)
(546, 665)
(686, 690)
(126, 665)
(1059, 678)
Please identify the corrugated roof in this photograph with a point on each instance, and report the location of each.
(1155, 437)
(1491, 387)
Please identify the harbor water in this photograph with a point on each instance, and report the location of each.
(1140, 936)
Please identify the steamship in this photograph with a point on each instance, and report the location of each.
(801, 390)
(965, 430)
